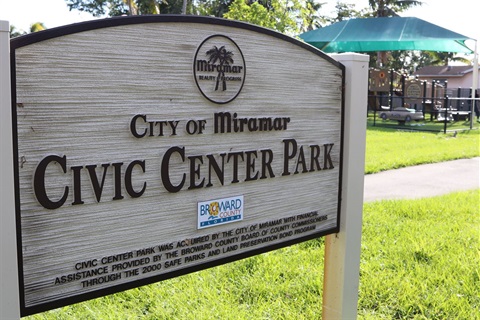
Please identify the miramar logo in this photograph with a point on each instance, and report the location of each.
(219, 211)
(219, 69)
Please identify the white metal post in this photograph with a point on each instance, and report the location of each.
(474, 84)
(342, 250)
(9, 290)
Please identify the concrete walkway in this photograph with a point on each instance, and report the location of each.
(422, 181)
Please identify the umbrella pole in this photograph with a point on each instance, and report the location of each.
(474, 84)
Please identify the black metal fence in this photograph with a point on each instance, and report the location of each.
(396, 100)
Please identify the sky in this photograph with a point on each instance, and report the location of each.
(459, 16)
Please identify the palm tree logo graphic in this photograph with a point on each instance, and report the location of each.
(224, 58)
(218, 78)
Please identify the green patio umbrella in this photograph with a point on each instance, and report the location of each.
(385, 34)
(391, 34)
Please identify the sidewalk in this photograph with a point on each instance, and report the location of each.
(421, 181)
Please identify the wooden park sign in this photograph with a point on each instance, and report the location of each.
(151, 147)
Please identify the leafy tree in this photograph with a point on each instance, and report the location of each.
(310, 15)
(390, 8)
(278, 19)
(401, 60)
(37, 26)
(170, 7)
(214, 8)
(254, 13)
(120, 7)
(443, 58)
(419, 59)
(286, 16)
(138, 7)
(268, 4)
(149, 7)
(14, 32)
(96, 8)
(345, 11)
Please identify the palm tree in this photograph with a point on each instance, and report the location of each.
(223, 57)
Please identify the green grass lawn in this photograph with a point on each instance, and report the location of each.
(420, 259)
(392, 149)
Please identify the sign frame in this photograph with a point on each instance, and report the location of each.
(113, 22)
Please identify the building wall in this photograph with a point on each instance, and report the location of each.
(455, 82)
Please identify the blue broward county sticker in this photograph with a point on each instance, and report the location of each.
(220, 211)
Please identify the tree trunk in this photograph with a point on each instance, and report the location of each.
(131, 8)
(184, 7)
(381, 59)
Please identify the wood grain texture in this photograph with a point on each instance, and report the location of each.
(76, 96)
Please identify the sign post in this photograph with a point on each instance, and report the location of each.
(342, 250)
(9, 291)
